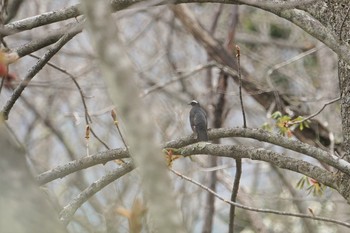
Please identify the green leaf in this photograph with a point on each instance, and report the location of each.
(276, 115)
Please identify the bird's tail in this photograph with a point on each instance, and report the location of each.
(202, 135)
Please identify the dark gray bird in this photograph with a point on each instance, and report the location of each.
(198, 121)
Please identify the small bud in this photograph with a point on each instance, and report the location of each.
(238, 54)
(87, 131)
(114, 115)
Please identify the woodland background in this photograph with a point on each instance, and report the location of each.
(145, 62)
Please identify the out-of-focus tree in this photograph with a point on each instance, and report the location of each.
(96, 94)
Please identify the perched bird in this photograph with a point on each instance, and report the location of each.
(198, 121)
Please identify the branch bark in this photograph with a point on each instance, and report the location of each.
(34, 70)
(262, 135)
(68, 211)
(279, 160)
(80, 164)
(40, 20)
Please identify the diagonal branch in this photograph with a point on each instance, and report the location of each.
(82, 163)
(316, 29)
(34, 70)
(40, 20)
(261, 210)
(69, 210)
(279, 160)
(49, 38)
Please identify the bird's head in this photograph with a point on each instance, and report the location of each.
(194, 103)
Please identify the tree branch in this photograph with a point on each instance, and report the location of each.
(258, 134)
(49, 38)
(279, 160)
(260, 210)
(282, 9)
(68, 211)
(34, 70)
(40, 20)
(262, 135)
(316, 29)
(82, 163)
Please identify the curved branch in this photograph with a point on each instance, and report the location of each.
(316, 29)
(261, 210)
(69, 210)
(279, 160)
(275, 139)
(82, 163)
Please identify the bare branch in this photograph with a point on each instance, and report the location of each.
(82, 163)
(177, 78)
(41, 20)
(298, 17)
(277, 4)
(312, 26)
(261, 210)
(34, 70)
(69, 210)
(87, 115)
(50, 38)
(275, 139)
(293, 59)
(258, 134)
(279, 160)
(316, 113)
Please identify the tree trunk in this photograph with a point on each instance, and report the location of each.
(335, 15)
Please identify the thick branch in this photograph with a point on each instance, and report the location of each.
(41, 20)
(275, 139)
(279, 160)
(48, 39)
(82, 163)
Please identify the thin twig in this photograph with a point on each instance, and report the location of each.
(240, 84)
(34, 70)
(177, 78)
(238, 174)
(88, 119)
(116, 123)
(293, 59)
(316, 113)
(317, 218)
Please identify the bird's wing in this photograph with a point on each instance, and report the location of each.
(200, 120)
